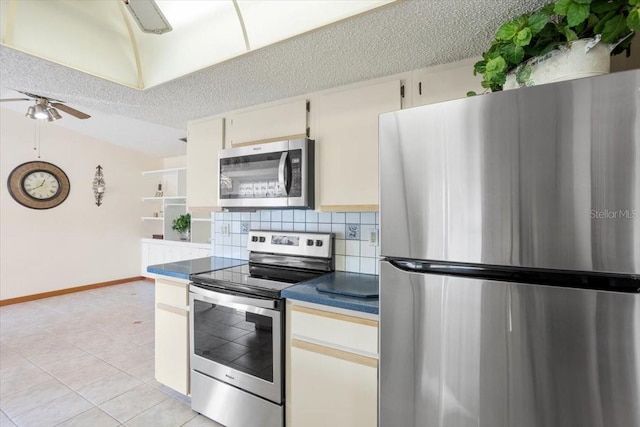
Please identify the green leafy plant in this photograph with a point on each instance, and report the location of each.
(182, 223)
(539, 32)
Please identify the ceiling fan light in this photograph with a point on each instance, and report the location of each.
(40, 112)
(31, 112)
(53, 114)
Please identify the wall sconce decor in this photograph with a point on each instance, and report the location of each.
(98, 185)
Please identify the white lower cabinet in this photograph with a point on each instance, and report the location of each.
(332, 368)
(172, 334)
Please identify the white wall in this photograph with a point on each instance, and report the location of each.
(76, 243)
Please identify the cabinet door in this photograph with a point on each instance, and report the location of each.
(144, 259)
(332, 388)
(347, 146)
(444, 83)
(280, 122)
(205, 138)
(172, 347)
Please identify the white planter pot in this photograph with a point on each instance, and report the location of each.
(581, 58)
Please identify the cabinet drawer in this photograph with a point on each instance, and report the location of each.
(341, 331)
(172, 293)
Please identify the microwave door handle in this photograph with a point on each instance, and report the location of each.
(283, 176)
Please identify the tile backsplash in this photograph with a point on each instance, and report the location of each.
(353, 233)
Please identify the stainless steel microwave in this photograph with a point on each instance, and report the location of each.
(272, 175)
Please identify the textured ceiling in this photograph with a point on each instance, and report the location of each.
(403, 36)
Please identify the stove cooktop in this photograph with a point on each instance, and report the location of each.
(240, 279)
(277, 260)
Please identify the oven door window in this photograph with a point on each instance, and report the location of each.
(238, 339)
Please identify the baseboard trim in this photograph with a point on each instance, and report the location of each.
(34, 297)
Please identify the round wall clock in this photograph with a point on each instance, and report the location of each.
(38, 185)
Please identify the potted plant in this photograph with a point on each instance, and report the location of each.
(182, 225)
(553, 29)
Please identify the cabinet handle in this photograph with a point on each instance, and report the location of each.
(420, 88)
(335, 353)
(170, 309)
(184, 286)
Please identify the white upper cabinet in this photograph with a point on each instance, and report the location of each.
(347, 146)
(342, 121)
(205, 138)
(444, 82)
(279, 122)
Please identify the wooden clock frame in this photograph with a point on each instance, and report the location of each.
(15, 184)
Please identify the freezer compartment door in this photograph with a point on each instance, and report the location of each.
(543, 177)
(462, 352)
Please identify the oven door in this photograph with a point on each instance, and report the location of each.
(237, 339)
(276, 174)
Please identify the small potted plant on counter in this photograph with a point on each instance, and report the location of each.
(562, 40)
(182, 225)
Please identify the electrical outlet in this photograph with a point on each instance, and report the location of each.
(225, 230)
(373, 237)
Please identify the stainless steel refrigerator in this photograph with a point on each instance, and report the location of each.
(510, 277)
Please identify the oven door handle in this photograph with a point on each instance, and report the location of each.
(237, 301)
(283, 176)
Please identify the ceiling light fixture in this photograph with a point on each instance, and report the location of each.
(40, 111)
(53, 114)
(148, 16)
(43, 111)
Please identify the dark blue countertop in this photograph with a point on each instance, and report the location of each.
(339, 281)
(182, 269)
(351, 282)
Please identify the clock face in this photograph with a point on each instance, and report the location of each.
(41, 185)
(38, 185)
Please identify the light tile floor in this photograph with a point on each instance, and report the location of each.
(86, 360)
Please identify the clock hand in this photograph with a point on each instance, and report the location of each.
(39, 185)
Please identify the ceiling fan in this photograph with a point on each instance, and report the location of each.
(47, 108)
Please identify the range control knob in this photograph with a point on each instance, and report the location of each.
(262, 239)
(309, 242)
(254, 238)
(318, 242)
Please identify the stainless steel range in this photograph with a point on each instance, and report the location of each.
(237, 327)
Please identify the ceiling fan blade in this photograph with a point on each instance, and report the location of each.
(69, 110)
(14, 99)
